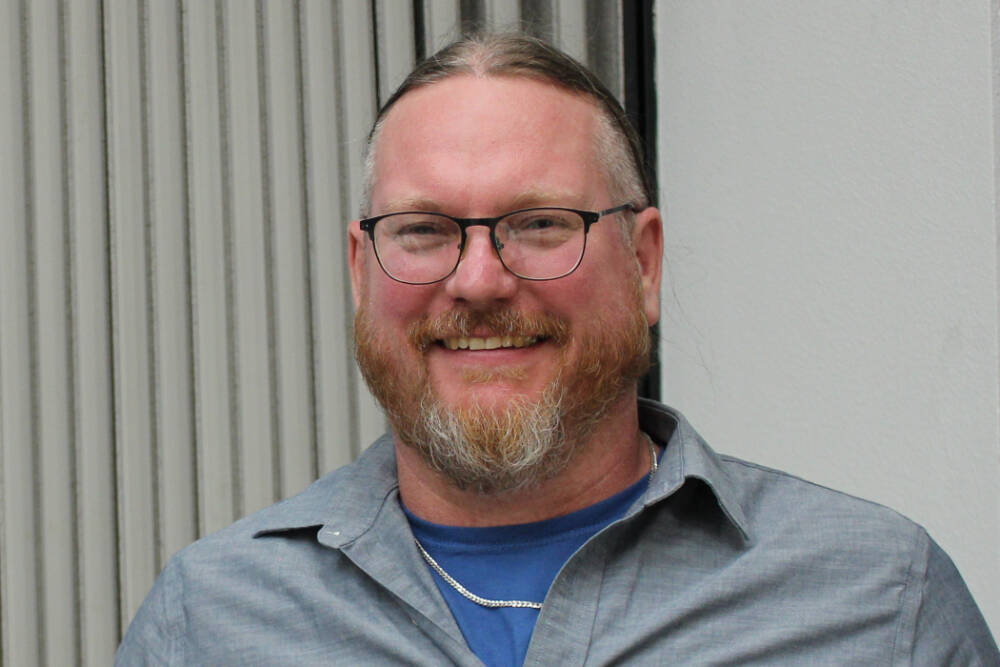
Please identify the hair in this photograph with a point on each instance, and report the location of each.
(485, 54)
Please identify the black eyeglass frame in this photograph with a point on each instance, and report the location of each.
(589, 218)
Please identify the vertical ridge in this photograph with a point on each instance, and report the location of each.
(307, 222)
(114, 620)
(30, 242)
(188, 281)
(183, 54)
(267, 203)
(152, 301)
(70, 321)
(354, 427)
(227, 236)
(113, 375)
(18, 609)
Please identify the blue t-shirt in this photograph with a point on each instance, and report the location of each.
(516, 562)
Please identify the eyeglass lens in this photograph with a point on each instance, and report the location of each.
(536, 244)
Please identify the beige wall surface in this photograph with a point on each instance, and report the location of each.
(828, 172)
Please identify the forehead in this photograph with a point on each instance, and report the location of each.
(479, 139)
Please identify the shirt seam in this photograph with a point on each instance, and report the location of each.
(605, 558)
(176, 621)
(918, 546)
(789, 476)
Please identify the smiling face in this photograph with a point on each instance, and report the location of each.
(483, 350)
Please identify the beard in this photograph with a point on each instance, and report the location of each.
(491, 449)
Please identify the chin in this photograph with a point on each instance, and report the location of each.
(491, 397)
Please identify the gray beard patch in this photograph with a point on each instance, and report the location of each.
(490, 452)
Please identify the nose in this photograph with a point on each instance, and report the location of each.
(480, 277)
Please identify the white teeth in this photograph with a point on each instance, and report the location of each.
(491, 343)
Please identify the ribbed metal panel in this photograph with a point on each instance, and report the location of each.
(175, 308)
(93, 415)
(19, 567)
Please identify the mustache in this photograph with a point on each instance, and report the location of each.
(499, 322)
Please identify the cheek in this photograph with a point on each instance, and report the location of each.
(397, 302)
(599, 286)
(579, 300)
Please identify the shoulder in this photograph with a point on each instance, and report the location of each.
(353, 491)
(826, 536)
(779, 504)
(773, 508)
(287, 531)
(850, 568)
(258, 566)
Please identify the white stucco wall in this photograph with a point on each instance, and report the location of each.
(830, 304)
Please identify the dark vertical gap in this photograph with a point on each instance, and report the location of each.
(191, 279)
(307, 222)
(152, 303)
(419, 30)
(69, 292)
(30, 242)
(377, 67)
(603, 42)
(537, 19)
(471, 14)
(188, 264)
(113, 375)
(270, 292)
(640, 105)
(227, 242)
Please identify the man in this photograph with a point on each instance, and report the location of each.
(528, 508)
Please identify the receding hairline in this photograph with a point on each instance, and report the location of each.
(518, 56)
(603, 130)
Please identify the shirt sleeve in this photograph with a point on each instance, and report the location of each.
(950, 629)
(152, 636)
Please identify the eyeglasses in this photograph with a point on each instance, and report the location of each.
(421, 248)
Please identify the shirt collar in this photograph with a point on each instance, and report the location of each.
(688, 456)
(345, 503)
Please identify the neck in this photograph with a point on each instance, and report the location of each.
(612, 458)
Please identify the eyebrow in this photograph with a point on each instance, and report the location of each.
(527, 199)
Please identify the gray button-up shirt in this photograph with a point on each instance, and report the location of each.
(722, 562)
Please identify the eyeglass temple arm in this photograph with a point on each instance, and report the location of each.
(617, 209)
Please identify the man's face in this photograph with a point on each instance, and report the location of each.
(480, 147)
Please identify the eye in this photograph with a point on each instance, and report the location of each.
(417, 232)
(533, 222)
(428, 228)
(539, 224)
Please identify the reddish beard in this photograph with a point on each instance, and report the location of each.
(527, 440)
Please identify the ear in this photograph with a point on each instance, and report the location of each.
(356, 259)
(647, 241)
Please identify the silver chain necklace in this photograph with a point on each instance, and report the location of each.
(516, 604)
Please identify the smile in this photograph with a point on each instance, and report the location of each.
(491, 343)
